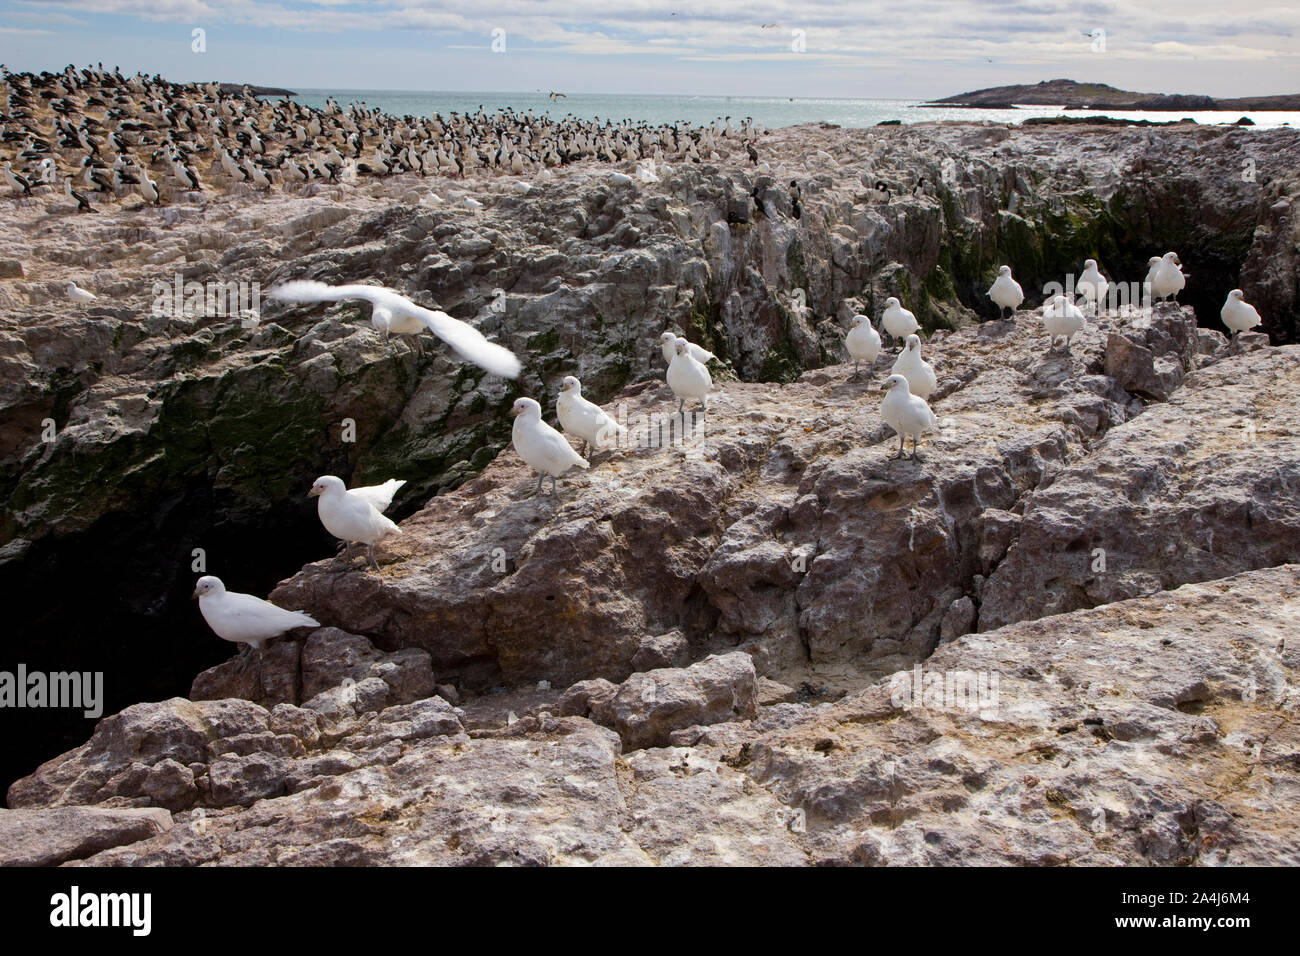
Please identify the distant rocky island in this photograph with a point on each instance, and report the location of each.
(1084, 96)
(233, 89)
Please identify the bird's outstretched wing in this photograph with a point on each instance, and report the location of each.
(468, 341)
(379, 496)
(309, 290)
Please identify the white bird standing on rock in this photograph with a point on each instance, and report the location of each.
(898, 321)
(1062, 317)
(688, 378)
(1238, 314)
(1092, 285)
(862, 342)
(541, 447)
(1005, 291)
(355, 515)
(77, 294)
(583, 418)
(242, 618)
(1168, 279)
(918, 372)
(393, 312)
(905, 413)
(668, 345)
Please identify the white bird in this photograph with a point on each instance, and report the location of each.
(918, 372)
(862, 341)
(1152, 265)
(668, 345)
(898, 321)
(1238, 314)
(242, 618)
(905, 413)
(541, 447)
(1169, 279)
(1062, 317)
(583, 418)
(472, 203)
(1092, 285)
(77, 294)
(620, 178)
(148, 189)
(1005, 291)
(394, 312)
(355, 515)
(688, 378)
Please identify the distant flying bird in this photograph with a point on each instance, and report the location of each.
(558, 96)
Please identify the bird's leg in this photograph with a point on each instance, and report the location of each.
(915, 456)
(855, 369)
(373, 562)
(552, 486)
(583, 453)
(681, 407)
(901, 439)
(538, 489)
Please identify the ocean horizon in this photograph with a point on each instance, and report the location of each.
(771, 112)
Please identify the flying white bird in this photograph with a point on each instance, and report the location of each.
(905, 413)
(1238, 314)
(355, 514)
(1092, 285)
(77, 294)
(242, 618)
(1062, 317)
(688, 378)
(862, 342)
(918, 372)
(898, 321)
(583, 418)
(393, 312)
(1005, 291)
(541, 447)
(1169, 279)
(668, 345)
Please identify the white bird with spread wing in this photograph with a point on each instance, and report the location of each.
(393, 312)
(356, 514)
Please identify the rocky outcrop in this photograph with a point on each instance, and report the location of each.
(648, 707)
(1201, 487)
(51, 837)
(1156, 731)
(332, 672)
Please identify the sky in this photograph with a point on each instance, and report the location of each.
(904, 49)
